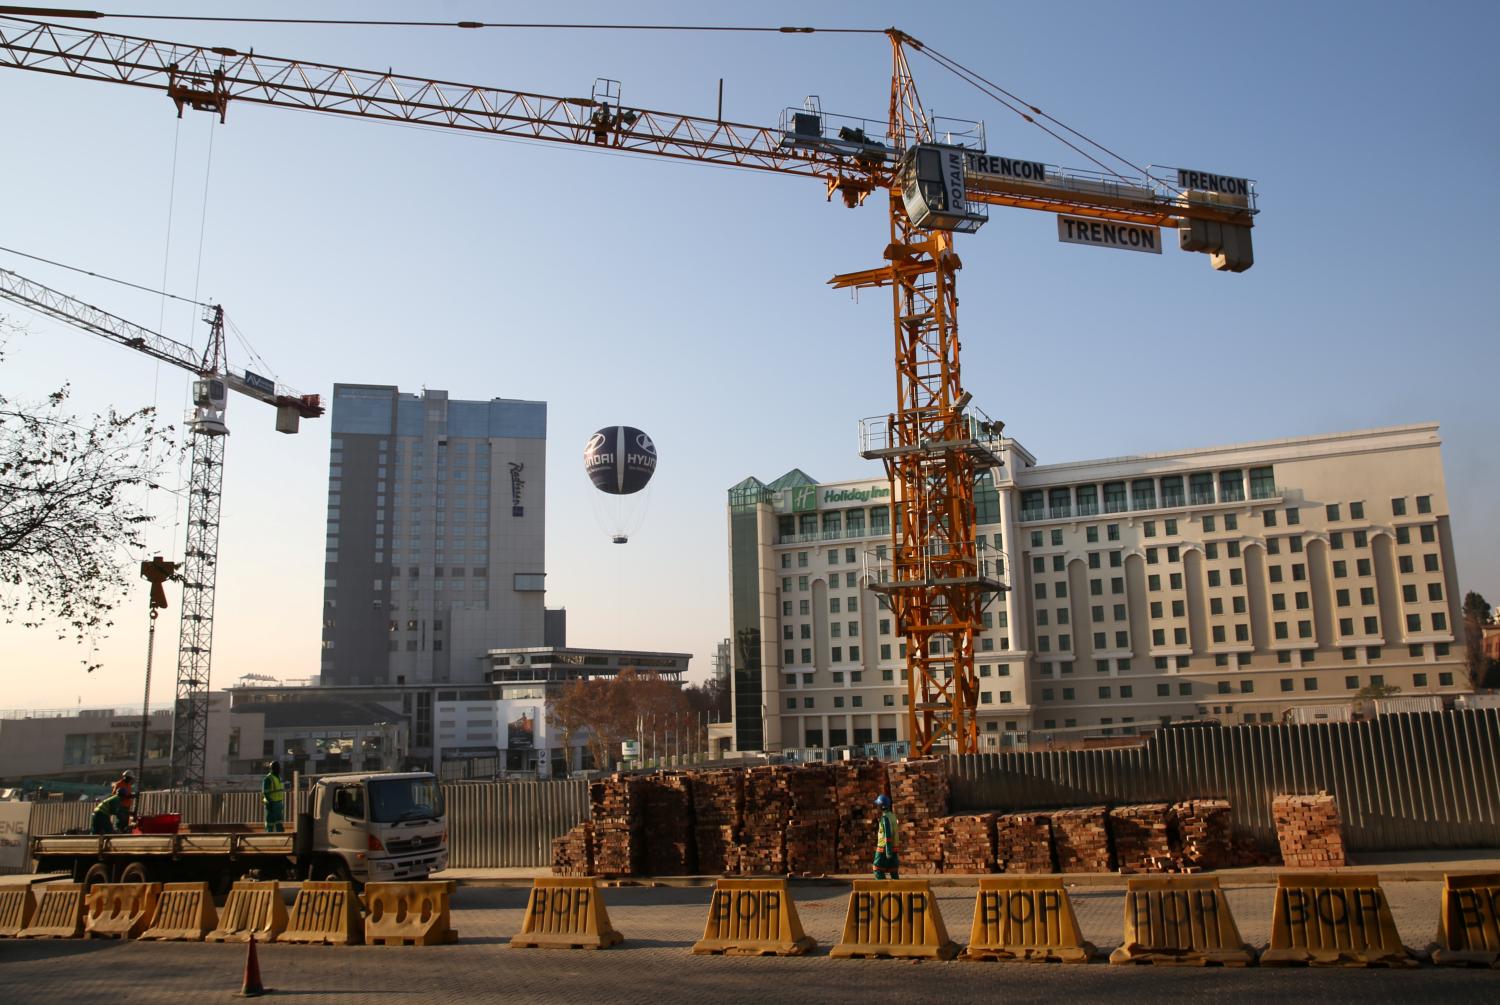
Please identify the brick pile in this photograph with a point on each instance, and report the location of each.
(1309, 832)
(768, 805)
(813, 824)
(855, 786)
(617, 803)
(1142, 838)
(718, 799)
(573, 853)
(1023, 843)
(1202, 832)
(919, 798)
(667, 820)
(1080, 837)
(969, 843)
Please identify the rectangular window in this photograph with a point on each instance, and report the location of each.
(1356, 511)
(1262, 483)
(1424, 504)
(1398, 507)
(1114, 497)
(1091, 534)
(1419, 680)
(1201, 490)
(1143, 494)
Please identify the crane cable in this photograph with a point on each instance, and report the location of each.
(17, 11)
(161, 321)
(1029, 112)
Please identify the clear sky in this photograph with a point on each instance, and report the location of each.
(690, 301)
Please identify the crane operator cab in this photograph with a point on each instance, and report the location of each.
(932, 179)
(210, 396)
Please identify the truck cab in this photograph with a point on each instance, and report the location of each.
(374, 827)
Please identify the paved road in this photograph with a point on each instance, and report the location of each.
(654, 966)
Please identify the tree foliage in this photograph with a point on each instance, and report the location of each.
(606, 711)
(1476, 616)
(72, 516)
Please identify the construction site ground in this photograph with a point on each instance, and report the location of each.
(660, 923)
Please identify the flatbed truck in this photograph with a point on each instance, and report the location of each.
(362, 827)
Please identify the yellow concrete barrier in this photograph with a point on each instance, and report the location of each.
(409, 914)
(566, 913)
(1180, 921)
(896, 918)
(17, 905)
(1333, 919)
(184, 913)
(327, 913)
(119, 910)
(1025, 918)
(1469, 926)
(753, 917)
(59, 913)
(252, 909)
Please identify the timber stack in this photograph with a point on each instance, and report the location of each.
(668, 810)
(855, 786)
(969, 843)
(1309, 831)
(573, 853)
(616, 803)
(1023, 843)
(919, 798)
(1202, 828)
(1080, 837)
(1142, 838)
(718, 799)
(762, 844)
(812, 824)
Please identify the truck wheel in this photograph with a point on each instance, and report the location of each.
(332, 870)
(136, 872)
(95, 874)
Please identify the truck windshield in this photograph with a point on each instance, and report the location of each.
(396, 799)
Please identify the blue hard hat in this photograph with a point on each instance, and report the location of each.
(884, 802)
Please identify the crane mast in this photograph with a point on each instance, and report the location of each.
(199, 568)
(939, 576)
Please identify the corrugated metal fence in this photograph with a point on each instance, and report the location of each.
(1425, 780)
(495, 825)
(491, 825)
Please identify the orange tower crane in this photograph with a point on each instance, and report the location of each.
(938, 577)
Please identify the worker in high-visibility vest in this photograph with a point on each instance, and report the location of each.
(113, 806)
(273, 794)
(887, 841)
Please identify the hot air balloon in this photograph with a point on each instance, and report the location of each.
(620, 461)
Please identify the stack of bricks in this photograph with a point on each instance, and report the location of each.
(1142, 838)
(1080, 838)
(573, 853)
(1308, 830)
(1201, 828)
(919, 797)
(855, 786)
(762, 844)
(718, 800)
(969, 843)
(1023, 843)
(668, 818)
(812, 826)
(619, 839)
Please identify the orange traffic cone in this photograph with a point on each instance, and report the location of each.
(252, 987)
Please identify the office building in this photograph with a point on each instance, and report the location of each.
(1225, 583)
(436, 520)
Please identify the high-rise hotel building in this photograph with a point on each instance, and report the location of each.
(436, 520)
(1226, 583)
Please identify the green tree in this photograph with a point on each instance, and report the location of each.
(72, 516)
(1476, 616)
